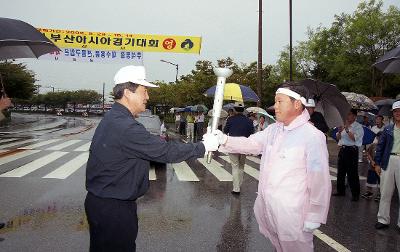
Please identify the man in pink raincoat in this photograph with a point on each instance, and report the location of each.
(294, 187)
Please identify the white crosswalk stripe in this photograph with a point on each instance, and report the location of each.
(64, 145)
(152, 174)
(70, 167)
(34, 146)
(247, 168)
(8, 159)
(84, 147)
(184, 172)
(34, 165)
(6, 146)
(7, 140)
(215, 168)
(254, 159)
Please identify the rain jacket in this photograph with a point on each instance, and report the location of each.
(384, 147)
(294, 177)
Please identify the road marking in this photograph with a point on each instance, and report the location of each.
(184, 172)
(254, 159)
(33, 146)
(6, 146)
(19, 155)
(70, 167)
(64, 145)
(247, 168)
(216, 169)
(34, 165)
(84, 147)
(331, 242)
(152, 173)
(7, 140)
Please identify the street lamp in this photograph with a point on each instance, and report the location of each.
(177, 68)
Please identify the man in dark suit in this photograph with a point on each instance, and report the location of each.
(238, 125)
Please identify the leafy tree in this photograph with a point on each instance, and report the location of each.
(18, 81)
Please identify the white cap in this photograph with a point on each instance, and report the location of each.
(310, 103)
(238, 104)
(134, 74)
(396, 105)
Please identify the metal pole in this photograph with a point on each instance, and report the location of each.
(104, 85)
(259, 65)
(290, 49)
(176, 77)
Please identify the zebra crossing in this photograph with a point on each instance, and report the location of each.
(22, 157)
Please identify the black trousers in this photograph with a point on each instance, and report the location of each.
(113, 224)
(348, 164)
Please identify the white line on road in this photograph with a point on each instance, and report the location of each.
(7, 140)
(84, 147)
(184, 172)
(331, 242)
(34, 165)
(152, 173)
(254, 159)
(64, 145)
(247, 168)
(33, 146)
(6, 146)
(216, 169)
(7, 159)
(70, 167)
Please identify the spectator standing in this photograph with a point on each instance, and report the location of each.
(190, 126)
(350, 139)
(387, 160)
(238, 125)
(316, 118)
(177, 121)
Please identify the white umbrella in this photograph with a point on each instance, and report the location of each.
(256, 110)
(224, 114)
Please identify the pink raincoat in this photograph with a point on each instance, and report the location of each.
(294, 184)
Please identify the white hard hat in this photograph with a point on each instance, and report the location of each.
(134, 74)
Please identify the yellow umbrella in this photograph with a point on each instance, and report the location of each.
(235, 92)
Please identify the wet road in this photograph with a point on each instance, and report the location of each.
(189, 206)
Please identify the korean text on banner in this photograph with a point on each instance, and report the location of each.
(98, 56)
(122, 41)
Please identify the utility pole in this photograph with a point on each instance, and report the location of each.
(259, 65)
(104, 85)
(290, 47)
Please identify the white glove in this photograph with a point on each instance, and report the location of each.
(310, 226)
(222, 138)
(210, 141)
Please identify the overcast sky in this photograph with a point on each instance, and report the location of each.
(227, 28)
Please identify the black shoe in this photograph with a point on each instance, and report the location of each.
(338, 194)
(2, 224)
(355, 198)
(379, 225)
(235, 193)
(377, 198)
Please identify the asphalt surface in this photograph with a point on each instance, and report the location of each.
(42, 172)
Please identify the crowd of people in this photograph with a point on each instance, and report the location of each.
(294, 187)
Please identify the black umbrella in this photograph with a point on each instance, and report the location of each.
(385, 107)
(21, 40)
(329, 101)
(389, 62)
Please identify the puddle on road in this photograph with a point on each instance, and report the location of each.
(54, 214)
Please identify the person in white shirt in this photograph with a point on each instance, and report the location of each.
(350, 139)
(200, 125)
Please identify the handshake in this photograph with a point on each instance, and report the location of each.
(213, 140)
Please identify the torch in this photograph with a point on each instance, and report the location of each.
(222, 74)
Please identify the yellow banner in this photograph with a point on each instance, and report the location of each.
(122, 41)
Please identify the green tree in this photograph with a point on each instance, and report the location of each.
(18, 81)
